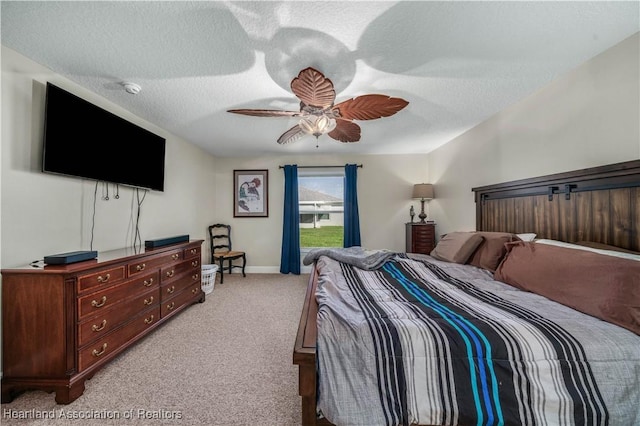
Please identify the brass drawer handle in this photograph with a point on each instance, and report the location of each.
(141, 267)
(194, 291)
(98, 353)
(171, 306)
(99, 304)
(171, 289)
(148, 320)
(195, 277)
(104, 279)
(148, 301)
(170, 273)
(195, 263)
(148, 283)
(175, 256)
(100, 327)
(194, 251)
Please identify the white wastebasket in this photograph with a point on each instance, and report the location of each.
(208, 277)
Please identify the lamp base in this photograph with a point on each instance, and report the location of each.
(422, 214)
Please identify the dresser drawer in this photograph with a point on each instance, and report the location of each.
(422, 248)
(103, 348)
(423, 232)
(100, 278)
(151, 262)
(176, 286)
(102, 300)
(104, 322)
(174, 303)
(192, 252)
(423, 242)
(174, 271)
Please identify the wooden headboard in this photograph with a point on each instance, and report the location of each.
(599, 204)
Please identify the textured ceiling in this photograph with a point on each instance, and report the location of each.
(456, 63)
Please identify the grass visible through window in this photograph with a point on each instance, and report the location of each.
(326, 236)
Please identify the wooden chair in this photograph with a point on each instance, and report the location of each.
(221, 251)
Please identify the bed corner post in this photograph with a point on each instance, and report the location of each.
(304, 353)
(479, 198)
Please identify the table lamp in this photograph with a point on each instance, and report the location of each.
(422, 192)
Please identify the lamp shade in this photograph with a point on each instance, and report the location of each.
(423, 191)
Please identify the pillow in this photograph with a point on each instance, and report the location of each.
(527, 237)
(605, 287)
(616, 253)
(491, 250)
(456, 247)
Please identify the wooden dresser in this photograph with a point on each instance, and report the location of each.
(420, 237)
(61, 323)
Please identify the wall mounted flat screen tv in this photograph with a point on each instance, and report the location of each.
(84, 140)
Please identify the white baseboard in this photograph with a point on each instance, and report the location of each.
(262, 270)
(270, 270)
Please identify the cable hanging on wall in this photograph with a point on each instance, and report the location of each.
(105, 191)
(137, 239)
(93, 216)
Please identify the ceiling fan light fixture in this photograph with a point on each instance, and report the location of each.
(317, 125)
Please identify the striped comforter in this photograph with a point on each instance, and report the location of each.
(419, 341)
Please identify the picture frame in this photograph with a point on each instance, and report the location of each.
(250, 193)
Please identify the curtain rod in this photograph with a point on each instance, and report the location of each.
(319, 167)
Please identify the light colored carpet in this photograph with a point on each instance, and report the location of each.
(227, 361)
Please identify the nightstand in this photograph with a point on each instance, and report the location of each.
(421, 237)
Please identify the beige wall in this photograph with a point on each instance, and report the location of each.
(587, 118)
(46, 214)
(384, 198)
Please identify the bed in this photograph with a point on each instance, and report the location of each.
(399, 338)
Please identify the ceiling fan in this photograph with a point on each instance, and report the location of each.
(318, 114)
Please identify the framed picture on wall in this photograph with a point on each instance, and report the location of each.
(250, 193)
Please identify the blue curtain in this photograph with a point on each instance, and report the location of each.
(351, 217)
(290, 256)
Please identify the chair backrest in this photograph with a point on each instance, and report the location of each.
(220, 237)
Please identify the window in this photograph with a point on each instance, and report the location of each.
(314, 218)
(321, 203)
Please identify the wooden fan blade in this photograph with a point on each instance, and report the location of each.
(265, 112)
(291, 135)
(369, 107)
(313, 88)
(345, 131)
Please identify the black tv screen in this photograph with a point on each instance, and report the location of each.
(84, 140)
